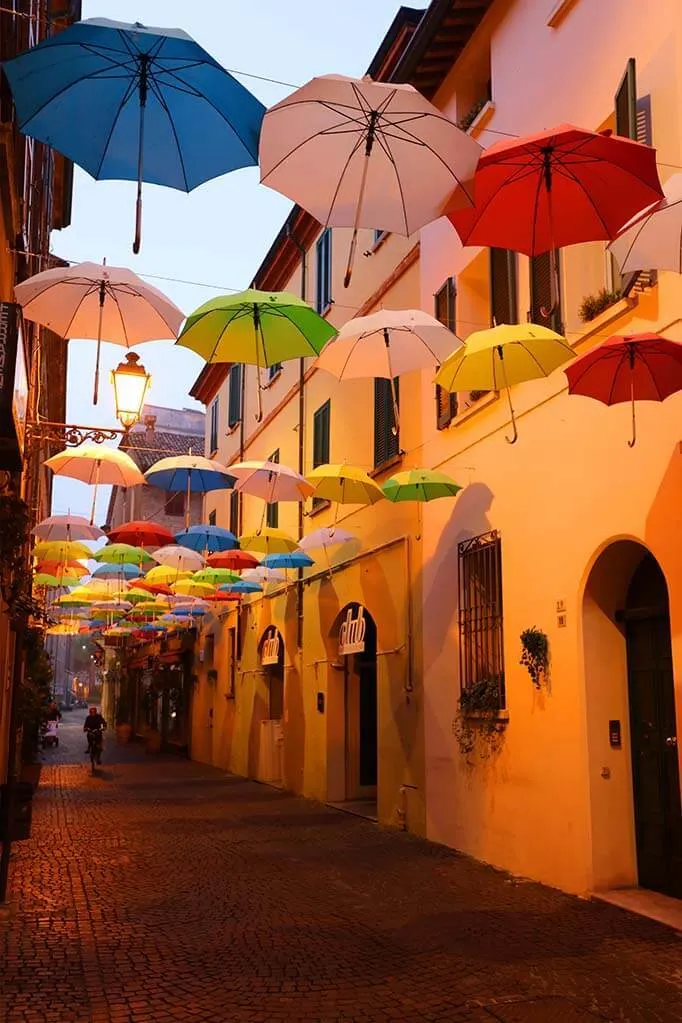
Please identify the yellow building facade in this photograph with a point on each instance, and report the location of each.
(569, 531)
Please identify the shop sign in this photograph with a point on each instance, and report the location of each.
(352, 632)
(270, 649)
(10, 341)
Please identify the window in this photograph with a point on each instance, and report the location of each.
(541, 309)
(213, 426)
(321, 428)
(323, 264)
(175, 504)
(234, 406)
(234, 512)
(502, 287)
(212, 518)
(232, 665)
(445, 311)
(386, 438)
(209, 651)
(274, 371)
(481, 656)
(379, 235)
(272, 510)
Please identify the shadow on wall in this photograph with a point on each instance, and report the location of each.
(293, 725)
(664, 513)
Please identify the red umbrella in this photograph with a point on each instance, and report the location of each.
(235, 560)
(157, 588)
(556, 188)
(221, 596)
(630, 367)
(141, 534)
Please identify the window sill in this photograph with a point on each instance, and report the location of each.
(481, 119)
(501, 716)
(380, 241)
(325, 310)
(476, 406)
(213, 453)
(606, 318)
(319, 508)
(379, 470)
(272, 379)
(559, 12)
(233, 429)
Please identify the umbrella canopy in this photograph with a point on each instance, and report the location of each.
(104, 303)
(66, 527)
(150, 98)
(190, 588)
(145, 586)
(344, 484)
(234, 560)
(653, 239)
(162, 574)
(270, 481)
(356, 153)
(122, 554)
(136, 595)
(214, 576)
(178, 557)
(45, 579)
(326, 537)
(96, 464)
(255, 327)
(263, 574)
(116, 571)
(61, 550)
(207, 538)
(224, 595)
(557, 188)
(192, 474)
(419, 485)
(141, 534)
(630, 367)
(502, 356)
(268, 541)
(63, 569)
(241, 586)
(297, 559)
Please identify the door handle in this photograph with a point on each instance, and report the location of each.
(671, 740)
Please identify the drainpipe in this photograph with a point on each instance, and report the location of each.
(301, 439)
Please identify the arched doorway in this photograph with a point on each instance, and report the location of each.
(357, 638)
(653, 731)
(272, 660)
(636, 828)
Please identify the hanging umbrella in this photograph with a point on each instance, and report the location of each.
(117, 571)
(66, 527)
(192, 474)
(270, 481)
(234, 560)
(178, 557)
(190, 588)
(63, 569)
(628, 368)
(136, 595)
(163, 574)
(222, 596)
(96, 464)
(567, 185)
(653, 240)
(99, 302)
(141, 534)
(419, 485)
(268, 541)
(387, 344)
(45, 579)
(264, 575)
(150, 97)
(326, 538)
(61, 550)
(145, 585)
(122, 554)
(213, 576)
(357, 153)
(502, 356)
(255, 327)
(344, 484)
(297, 559)
(207, 538)
(242, 586)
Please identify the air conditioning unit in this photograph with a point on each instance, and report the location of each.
(270, 752)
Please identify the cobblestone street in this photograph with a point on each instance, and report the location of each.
(163, 890)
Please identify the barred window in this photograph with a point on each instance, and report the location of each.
(481, 657)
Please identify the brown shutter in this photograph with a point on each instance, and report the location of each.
(445, 311)
(502, 286)
(386, 442)
(625, 103)
(541, 293)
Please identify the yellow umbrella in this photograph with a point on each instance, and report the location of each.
(96, 464)
(136, 596)
(191, 588)
(166, 575)
(344, 484)
(503, 356)
(153, 605)
(61, 550)
(268, 541)
(90, 593)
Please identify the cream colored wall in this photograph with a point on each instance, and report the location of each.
(540, 807)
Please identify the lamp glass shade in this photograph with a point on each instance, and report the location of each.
(131, 383)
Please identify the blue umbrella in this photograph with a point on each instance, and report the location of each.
(190, 473)
(241, 586)
(297, 559)
(189, 612)
(117, 571)
(207, 538)
(136, 104)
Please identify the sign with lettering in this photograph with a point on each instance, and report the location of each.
(20, 394)
(9, 341)
(352, 631)
(270, 647)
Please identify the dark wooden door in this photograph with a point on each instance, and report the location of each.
(655, 766)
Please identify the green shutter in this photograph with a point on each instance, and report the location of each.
(386, 442)
(445, 311)
(272, 510)
(234, 409)
(321, 421)
(625, 102)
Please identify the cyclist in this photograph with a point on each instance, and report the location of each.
(94, 725)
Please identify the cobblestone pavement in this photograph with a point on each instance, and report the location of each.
(161, 890)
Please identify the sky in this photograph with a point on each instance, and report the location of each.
(218, 234)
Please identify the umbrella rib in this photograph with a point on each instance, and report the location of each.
(356, 147)
(112, 293)
(563, 169)
(157, 92)
(389, 152)
(101, 72)
(439, 158)
(304, 142)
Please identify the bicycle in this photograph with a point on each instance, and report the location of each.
(95, 743)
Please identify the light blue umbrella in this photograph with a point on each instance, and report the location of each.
(191, 474)
(136, 104)
(207, 538)
(108, 571)
(241, 586)
(297, 559)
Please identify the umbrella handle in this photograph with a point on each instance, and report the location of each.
(369, 142)
(143, 86)
(137, 243)
(633, 441)
(515, 435)
(394, 396)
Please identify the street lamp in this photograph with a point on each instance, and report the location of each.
(131, 383)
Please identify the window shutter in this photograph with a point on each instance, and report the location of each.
(234, 411)
(445, 311)
(502, 286)
(321, 434)
(386, 443)
(272, 509)
(234, 512)
(626, 103)
(541, 293)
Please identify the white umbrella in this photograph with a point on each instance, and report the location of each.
(270, 481)
(324, 538)
(182, 558)
(96, 464)
(387, 344)
(66, 527)
(105, 303)
(358, 153)
(653, 240)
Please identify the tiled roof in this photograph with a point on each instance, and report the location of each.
(145, 448)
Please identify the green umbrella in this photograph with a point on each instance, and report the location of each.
(255, 327)
(214, 576)
(121, 554)
(420, 485)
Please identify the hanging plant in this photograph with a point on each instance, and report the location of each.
(535, 655)
(478, 724)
